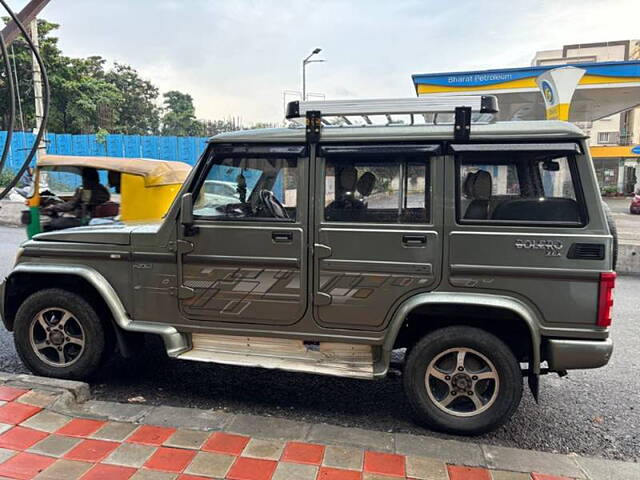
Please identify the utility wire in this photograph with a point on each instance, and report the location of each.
(45, 110)
(12, 102)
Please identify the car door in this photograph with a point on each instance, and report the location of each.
(377, 230)
(244, 260)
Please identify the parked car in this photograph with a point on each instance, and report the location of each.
(483, 249)
(634, 208)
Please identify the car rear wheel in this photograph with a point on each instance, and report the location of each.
(462, 380)
(58, 334)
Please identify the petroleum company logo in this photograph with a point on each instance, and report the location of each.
(547, 91)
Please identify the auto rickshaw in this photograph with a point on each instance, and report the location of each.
(141, 189)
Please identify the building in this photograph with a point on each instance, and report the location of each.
(617, 167)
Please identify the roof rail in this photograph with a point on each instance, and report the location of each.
(460, 105)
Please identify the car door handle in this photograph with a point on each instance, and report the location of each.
(282, 237)
(414, 240)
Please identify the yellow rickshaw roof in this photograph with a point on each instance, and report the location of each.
(155, 172)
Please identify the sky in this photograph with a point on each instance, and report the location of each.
(237, 57)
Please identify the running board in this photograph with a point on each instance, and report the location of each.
(336, 359)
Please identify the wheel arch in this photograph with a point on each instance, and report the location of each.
(429, 311)
(86, 282)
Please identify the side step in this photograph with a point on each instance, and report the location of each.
(337, 359)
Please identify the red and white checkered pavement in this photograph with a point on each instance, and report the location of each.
(38, 443)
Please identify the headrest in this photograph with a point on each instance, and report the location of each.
(348, 178)
(478, 185)
(366, 183)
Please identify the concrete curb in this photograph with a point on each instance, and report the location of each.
(74, 399)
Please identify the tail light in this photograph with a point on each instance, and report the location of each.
(605, 301)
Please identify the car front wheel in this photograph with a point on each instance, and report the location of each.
(58, 334)
(462, 380)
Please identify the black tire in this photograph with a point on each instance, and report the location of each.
(507, 396)
(614, 232)
(86, 361)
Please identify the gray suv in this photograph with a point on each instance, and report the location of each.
(481, 248)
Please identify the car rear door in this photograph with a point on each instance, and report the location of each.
(377, 230)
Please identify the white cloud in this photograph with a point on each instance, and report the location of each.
(236, 58)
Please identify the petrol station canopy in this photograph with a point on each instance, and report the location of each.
(603, 89)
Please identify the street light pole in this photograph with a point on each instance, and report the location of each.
(304, 71)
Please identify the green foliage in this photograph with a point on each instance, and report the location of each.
(6, 177)
(180, 115)
(84, 96)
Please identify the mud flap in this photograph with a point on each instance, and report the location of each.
(534, 385)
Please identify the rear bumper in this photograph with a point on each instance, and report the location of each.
(562, 354)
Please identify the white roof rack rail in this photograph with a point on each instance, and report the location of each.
(393, 106)
(460, 105)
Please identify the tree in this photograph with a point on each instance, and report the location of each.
(138, 113)
(180, 115)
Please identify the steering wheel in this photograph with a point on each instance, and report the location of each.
(272, 205)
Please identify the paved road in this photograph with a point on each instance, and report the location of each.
(592, 413)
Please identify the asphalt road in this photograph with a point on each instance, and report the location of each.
(594, 413)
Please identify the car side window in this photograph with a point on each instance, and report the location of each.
(377, 188)
(249, 188)
(519, 188)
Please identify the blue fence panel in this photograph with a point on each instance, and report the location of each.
(80, 145)
(63, 142)
(19, 148)
(168, 148)
(50, 142)
(149, 146)
(3, 140)
(97, 149)
(132, 146)
(115, 146)
(187, 150)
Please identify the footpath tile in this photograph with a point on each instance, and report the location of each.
(14, 413)
(186, 476)
(170, 459)
(55, 445)
(150, 435)
(327, 473)
(542, 476)
(64, 469)
(80, 427)
(252, 469)
(348, 458)
(109, 472)
(268, 449)
(299, 452)
(9, 394)
(114, 431)
(421, 468)
(47, 421)
(210, 464)
(468, 473)
(91, 450)
(20, 438)
(6, 454)
(295, 471)
(503, 458)
(154, 475)
(38, 398)
(384, 464)
(25, 466)
(504, 475)
(130, 455)
(226, 443)
(192, 439)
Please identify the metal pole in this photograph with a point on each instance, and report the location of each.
(304, 80)
(37, 85)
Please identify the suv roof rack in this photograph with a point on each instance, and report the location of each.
(460, 105)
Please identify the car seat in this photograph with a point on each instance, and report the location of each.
(478, 187)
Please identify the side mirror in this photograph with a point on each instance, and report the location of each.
(186, 209)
